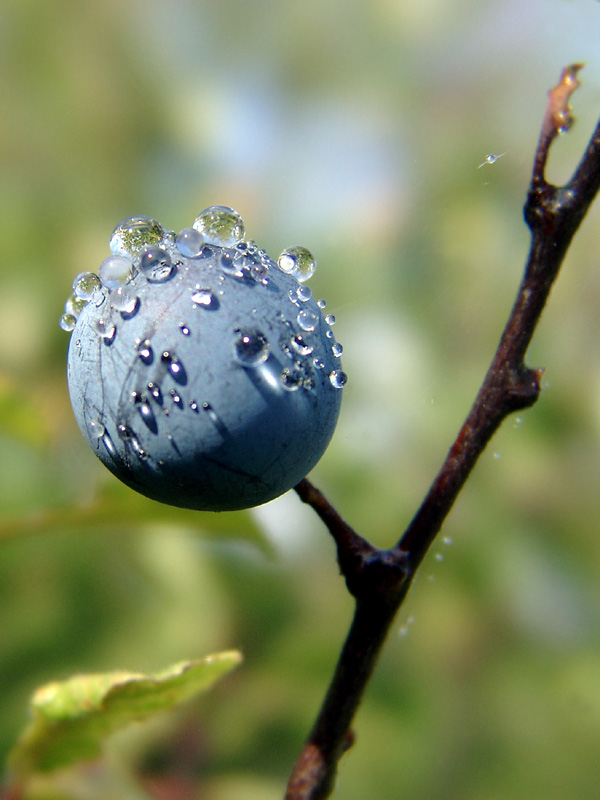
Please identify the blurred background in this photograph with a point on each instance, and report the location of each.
(359, 130)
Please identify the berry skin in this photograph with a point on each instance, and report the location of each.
(205, 376)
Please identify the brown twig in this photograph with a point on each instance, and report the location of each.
(379, 579)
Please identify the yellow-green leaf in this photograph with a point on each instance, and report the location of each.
(72, 718)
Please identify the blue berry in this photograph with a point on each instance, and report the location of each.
(202, 375)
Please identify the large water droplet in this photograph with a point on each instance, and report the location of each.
(190, 242)
(220, 225)
(251, 347)
(297, 261)
(338, 378)
(307, 320)
(123, 300)
(204, 297)
(105, 328)
(67, 322)
(115, 271)
(131, 235)
(300, 345)
(75, 305)
(156, 264)
(86, 284)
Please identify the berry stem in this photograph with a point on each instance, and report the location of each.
(379, 579)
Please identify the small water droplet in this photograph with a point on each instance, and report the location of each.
(115, 271)
(318, 362)
(155, 392)
(250, 347)
(176, 398)
(330, 319)
(337, 349)
(156, 264)
(307, 320)
(203, 297)
(259, 271)
(303, 293)
(96, 429)
(146, 413)
(194, 405)
(215, 419)
(338, 378)
(105, 328)
(129, 436)
(175, 367)
(123, 300)
(321, 303)
(145, 352)
(300, 345)
(329, 334)
(67, 322)
(291, 378)
(439, 557)
(297, 261)
(75, 305)
(220, 225)
(190, 242)
(231, 266)
(185, 330)
(86, 284)
(135, 233)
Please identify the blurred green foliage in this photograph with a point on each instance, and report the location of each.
(355, 129)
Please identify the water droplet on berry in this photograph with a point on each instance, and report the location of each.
(307, 320)
(75, 305)
(321, 303)
(303, 293)
(86, 284)
(175, 367)
(297, 261)
(337, 349)
(123, 300)
(156, 264)
(220, 225)
(96, 429)
(291, 378)
(204, 297)
(318, 362)
(338, 378)
(185, 330)
(135, 233)
(146, 353)
(330, 319)
(105, 328)
(300, 345)
(67, 322)
(115, 271)
(190, 242)
(250, 347)
(155, 392)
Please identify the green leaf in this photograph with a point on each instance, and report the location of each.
(72, 718)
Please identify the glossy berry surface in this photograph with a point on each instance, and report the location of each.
(201, 373)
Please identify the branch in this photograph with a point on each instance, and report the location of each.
(379, 579)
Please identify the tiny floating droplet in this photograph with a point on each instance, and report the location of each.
(250, 347)
(190, 242)
(203, 297)
(220, 225)
(123, 300)
(307, 320)
(133, 234)
(115, 271)
(156, 264)
(86, 284)
(297, 261)
(338, 378)
(67, 322)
